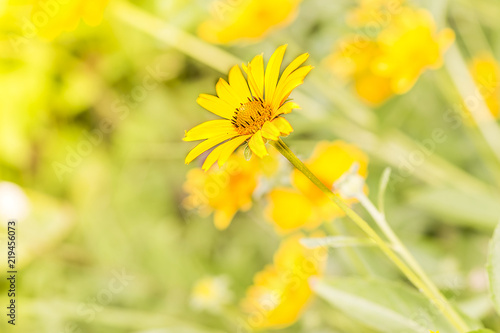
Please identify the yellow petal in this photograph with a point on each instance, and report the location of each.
(206, 145)
(273, 72)
(288, 209)
(282, 125)
(269, 131)
(230, 147)
(257, 145)
(216, 106)
(293, 80)
(286, 108)
(238, 82)
(209, 129)
(227, 93)
(223, 218)
(256, 76)
(293, 66)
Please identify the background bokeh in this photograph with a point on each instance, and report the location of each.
(97, 150)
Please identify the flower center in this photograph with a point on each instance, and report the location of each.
(251, 116)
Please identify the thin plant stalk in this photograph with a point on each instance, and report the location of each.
(433, 295)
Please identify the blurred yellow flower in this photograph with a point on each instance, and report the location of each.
(486, 73)
(353, 60)
(246, 19)
(281, 291)
(224, 190)
(211, 294)
(392, 62)
(304, 205)
(251, 111)
(410, 45)
(50, 18)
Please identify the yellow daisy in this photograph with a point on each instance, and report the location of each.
(249, 19)
(251, 108)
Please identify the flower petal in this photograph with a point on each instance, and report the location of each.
(238, 82)
(286, 108)
(257, 145)
(269, 131)
(230, 147)
(227, 93)
(209, 129)
(216, 105)
(206, 145)
(255, 72)
(293, 80)
(273, 72)
(282, 125)
(223, 218)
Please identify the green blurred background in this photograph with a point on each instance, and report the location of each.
(116, 209)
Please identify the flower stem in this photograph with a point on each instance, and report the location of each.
(435, 297)
(381, 221)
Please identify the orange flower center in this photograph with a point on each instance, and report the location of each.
(251, 116)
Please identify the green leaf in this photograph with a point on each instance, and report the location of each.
(493, 267)
(384, 305)
(482, 330)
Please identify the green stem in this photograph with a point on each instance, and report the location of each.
(381, 221)
(436, 298)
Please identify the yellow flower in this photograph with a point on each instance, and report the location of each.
(304, 205)
(281, 291)
(224, 190)
(392, 62)
(486, 73)
(51, 18)
(247, 19)
(252, 112)
(211, 294)
(353, 60)
(410, 45)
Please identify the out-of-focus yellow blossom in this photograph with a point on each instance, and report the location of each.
(211, 294)
(410, 45)
(281, 291)
(222, 190)
(376, 13)
(391, 62)
(246, 19)
(486, 73)
(304, 205)
(50, 18)
(352, 61)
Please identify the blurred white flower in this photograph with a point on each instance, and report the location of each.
(14, 203)
(211, 294)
